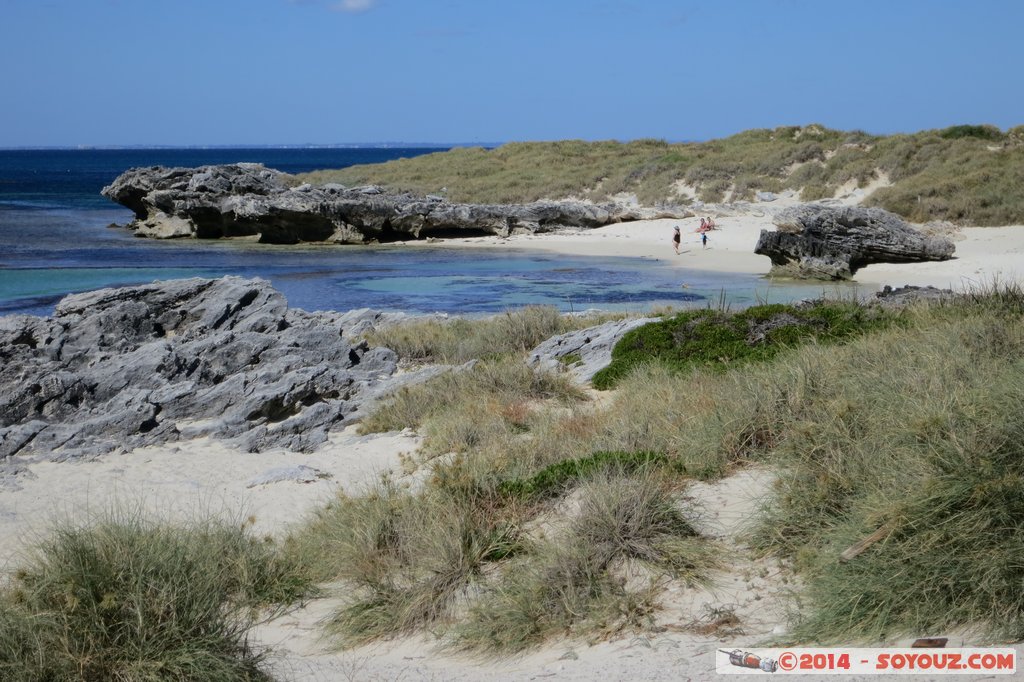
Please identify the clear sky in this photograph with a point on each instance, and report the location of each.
(208, 72)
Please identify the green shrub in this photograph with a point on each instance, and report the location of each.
(558, 477)
(985, 132)
(708, 338)
(133, 599)
(460, 340)
(914, 432)
(570, 584)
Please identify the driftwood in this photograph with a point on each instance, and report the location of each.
(859, 547)
(930, 643)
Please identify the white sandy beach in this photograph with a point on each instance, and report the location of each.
(983, 254)
(181, 479)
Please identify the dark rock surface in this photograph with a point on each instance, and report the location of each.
(243, 199)
(116, 369)
(825, 242)
(906, 295)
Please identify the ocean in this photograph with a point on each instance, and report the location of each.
(59, 236)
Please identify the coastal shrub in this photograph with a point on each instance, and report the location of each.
(460, 340)
(912, 434)
(574, 583)
(556, 518)
(410, 558)
(406, 556)
(487, 389)
(556, 478)
(983, 132)
(709, 338)
(714, 191)
(816, 191)
(135, 599)
(818, 161)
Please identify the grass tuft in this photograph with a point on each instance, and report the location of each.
(575, 583)
(128, 598)
(461, 340)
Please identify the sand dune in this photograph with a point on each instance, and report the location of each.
(178, 480)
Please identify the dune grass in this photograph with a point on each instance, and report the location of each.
(461, 339)
(577, 582)
(538, 514)
(130, 598)
(903, 423)
(914, 433)
(968, 174)
(461, 560)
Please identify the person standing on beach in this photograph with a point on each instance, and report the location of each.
(704, 239)
(675, 239)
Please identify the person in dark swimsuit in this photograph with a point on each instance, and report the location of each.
(675, 240)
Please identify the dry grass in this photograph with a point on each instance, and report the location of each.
(549, 518)
(461, 339)
(966, 174)
(130, 598)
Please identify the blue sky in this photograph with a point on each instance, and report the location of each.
(206, 72)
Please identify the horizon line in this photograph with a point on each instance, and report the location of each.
(336, 145)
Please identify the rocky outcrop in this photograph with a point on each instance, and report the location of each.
(583, 353)
(242, 199)
(825, 242)
(901, 297)
(120, 368)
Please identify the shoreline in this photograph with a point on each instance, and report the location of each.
(984, 255)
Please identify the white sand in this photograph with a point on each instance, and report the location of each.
(983, 254)
(189, 480)
(180, 480)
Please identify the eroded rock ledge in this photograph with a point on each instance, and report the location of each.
(824, 242)
(240, 200)
(226, 358)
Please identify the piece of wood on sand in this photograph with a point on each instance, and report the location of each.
(861, 545)
(929, 643)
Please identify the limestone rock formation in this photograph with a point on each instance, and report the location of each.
(907, 295)
(824, 242)
(583, 353)
(250, 200)
(121, 368)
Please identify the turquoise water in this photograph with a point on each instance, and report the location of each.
(55, 239)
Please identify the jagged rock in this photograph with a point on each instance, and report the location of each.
(585, 352)
(250, 200)
(121, 368)
(906, 295)
(825, 242)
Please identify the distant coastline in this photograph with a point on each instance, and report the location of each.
(171, 147)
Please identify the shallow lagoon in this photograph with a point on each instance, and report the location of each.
(53, 252)
(55, 240)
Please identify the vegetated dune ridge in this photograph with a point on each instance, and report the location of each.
(538, 528)
(964, 174)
